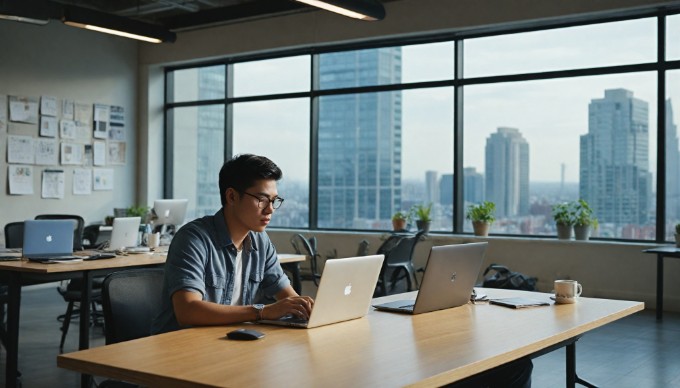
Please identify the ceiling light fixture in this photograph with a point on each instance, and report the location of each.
(359, 9)
(25, 11)
(116, 25)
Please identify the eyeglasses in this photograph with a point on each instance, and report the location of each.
(264, 202)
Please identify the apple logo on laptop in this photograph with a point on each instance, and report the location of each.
(348, 289)
(453, 277)
(48, 238)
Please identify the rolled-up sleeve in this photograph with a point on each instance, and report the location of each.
(186, 262)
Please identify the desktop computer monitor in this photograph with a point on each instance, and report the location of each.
(170, 211)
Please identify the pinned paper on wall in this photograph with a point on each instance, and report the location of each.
(48, 126)
(53, 184)
(116, 152)
(102, 179)
(20, 149)
(20, 179)
(83, 118)
(117, 124)
(82, 181)
(99, 153)
(87, 156)
(3, 113)
(72, 153)
(67, 129)
(101, 121)
(67, 110)
(23, 109)
(48, 106)
(46, 152)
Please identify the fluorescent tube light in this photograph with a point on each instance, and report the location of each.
(359, 9)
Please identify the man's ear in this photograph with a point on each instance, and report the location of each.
(231, 196)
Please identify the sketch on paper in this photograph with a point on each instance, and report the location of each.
(99, 148)
(48, 106)
(103, 179)
(20, 149)
(82, 181)
(48, 126)
(72, 153)
(46, 152)
(23, 109)
(53, 184)
(20, 179)
(67, 110)
(67, 129)
(83, 118)
(117, 152)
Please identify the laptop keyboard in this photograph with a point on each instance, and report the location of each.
(292, 318)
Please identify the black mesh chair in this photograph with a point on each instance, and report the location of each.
(304, 246)
(131, 300)
(398, 251)
(71, 292)
(362, 250)
(14, 234)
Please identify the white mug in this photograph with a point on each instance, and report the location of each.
(566, 291)
(153, 240)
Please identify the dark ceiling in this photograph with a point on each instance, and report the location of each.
(177, 15)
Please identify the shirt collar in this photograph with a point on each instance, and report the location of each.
(223, 237)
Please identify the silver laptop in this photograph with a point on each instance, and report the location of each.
(48, 240)
(449, 277)
(125, 235)
(345, 291)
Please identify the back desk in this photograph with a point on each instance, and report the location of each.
(382, 349)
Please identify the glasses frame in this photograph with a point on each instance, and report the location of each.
(275, 203)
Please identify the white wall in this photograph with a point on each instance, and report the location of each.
(69, 63)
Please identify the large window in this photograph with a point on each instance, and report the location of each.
(540, 117)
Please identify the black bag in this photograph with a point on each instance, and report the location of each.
(504, 278)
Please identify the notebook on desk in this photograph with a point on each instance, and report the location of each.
(48, 240)
(345, 291)
(450, 275)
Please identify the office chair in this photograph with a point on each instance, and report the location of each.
(363, 248)
(71, 292)
(14, 234)
(131, 300)
(398, 251)
(306, 246)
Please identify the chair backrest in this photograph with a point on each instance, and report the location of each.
(78, 226)
(403, 251)
(307, 247)
(14, 235)
(131, 300)
(363, 248)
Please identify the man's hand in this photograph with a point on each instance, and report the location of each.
(300, 306)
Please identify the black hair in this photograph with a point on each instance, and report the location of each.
(241, 172)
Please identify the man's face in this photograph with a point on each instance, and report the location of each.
(247, 208)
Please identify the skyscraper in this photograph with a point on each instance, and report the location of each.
(507, 172)
(614, 159)
(473, 185)
(359, 140)
(431, 186)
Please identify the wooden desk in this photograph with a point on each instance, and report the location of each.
(291, 262)
(382, 349)
(24, 272)
(661, 252)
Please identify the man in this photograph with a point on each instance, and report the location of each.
(217, 264)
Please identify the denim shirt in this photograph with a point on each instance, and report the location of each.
(202, 258)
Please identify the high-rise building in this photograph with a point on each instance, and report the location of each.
(473, 185)
(672, 168)
(614, 159)
(446, 190)
(507, 172)
(431, 187)
(359, 184)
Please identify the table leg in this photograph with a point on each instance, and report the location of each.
(84, 340)
(572, 377)
(14, 303)
(659, 286)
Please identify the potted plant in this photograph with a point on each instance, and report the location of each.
(563, 214)
(677, 235)
(482, 216)
(139, 211)
(422, 214)
(399, 220)
(584, 220)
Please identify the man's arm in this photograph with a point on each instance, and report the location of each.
(192, 310)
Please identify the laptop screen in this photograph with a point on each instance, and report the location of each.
(46, 238)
